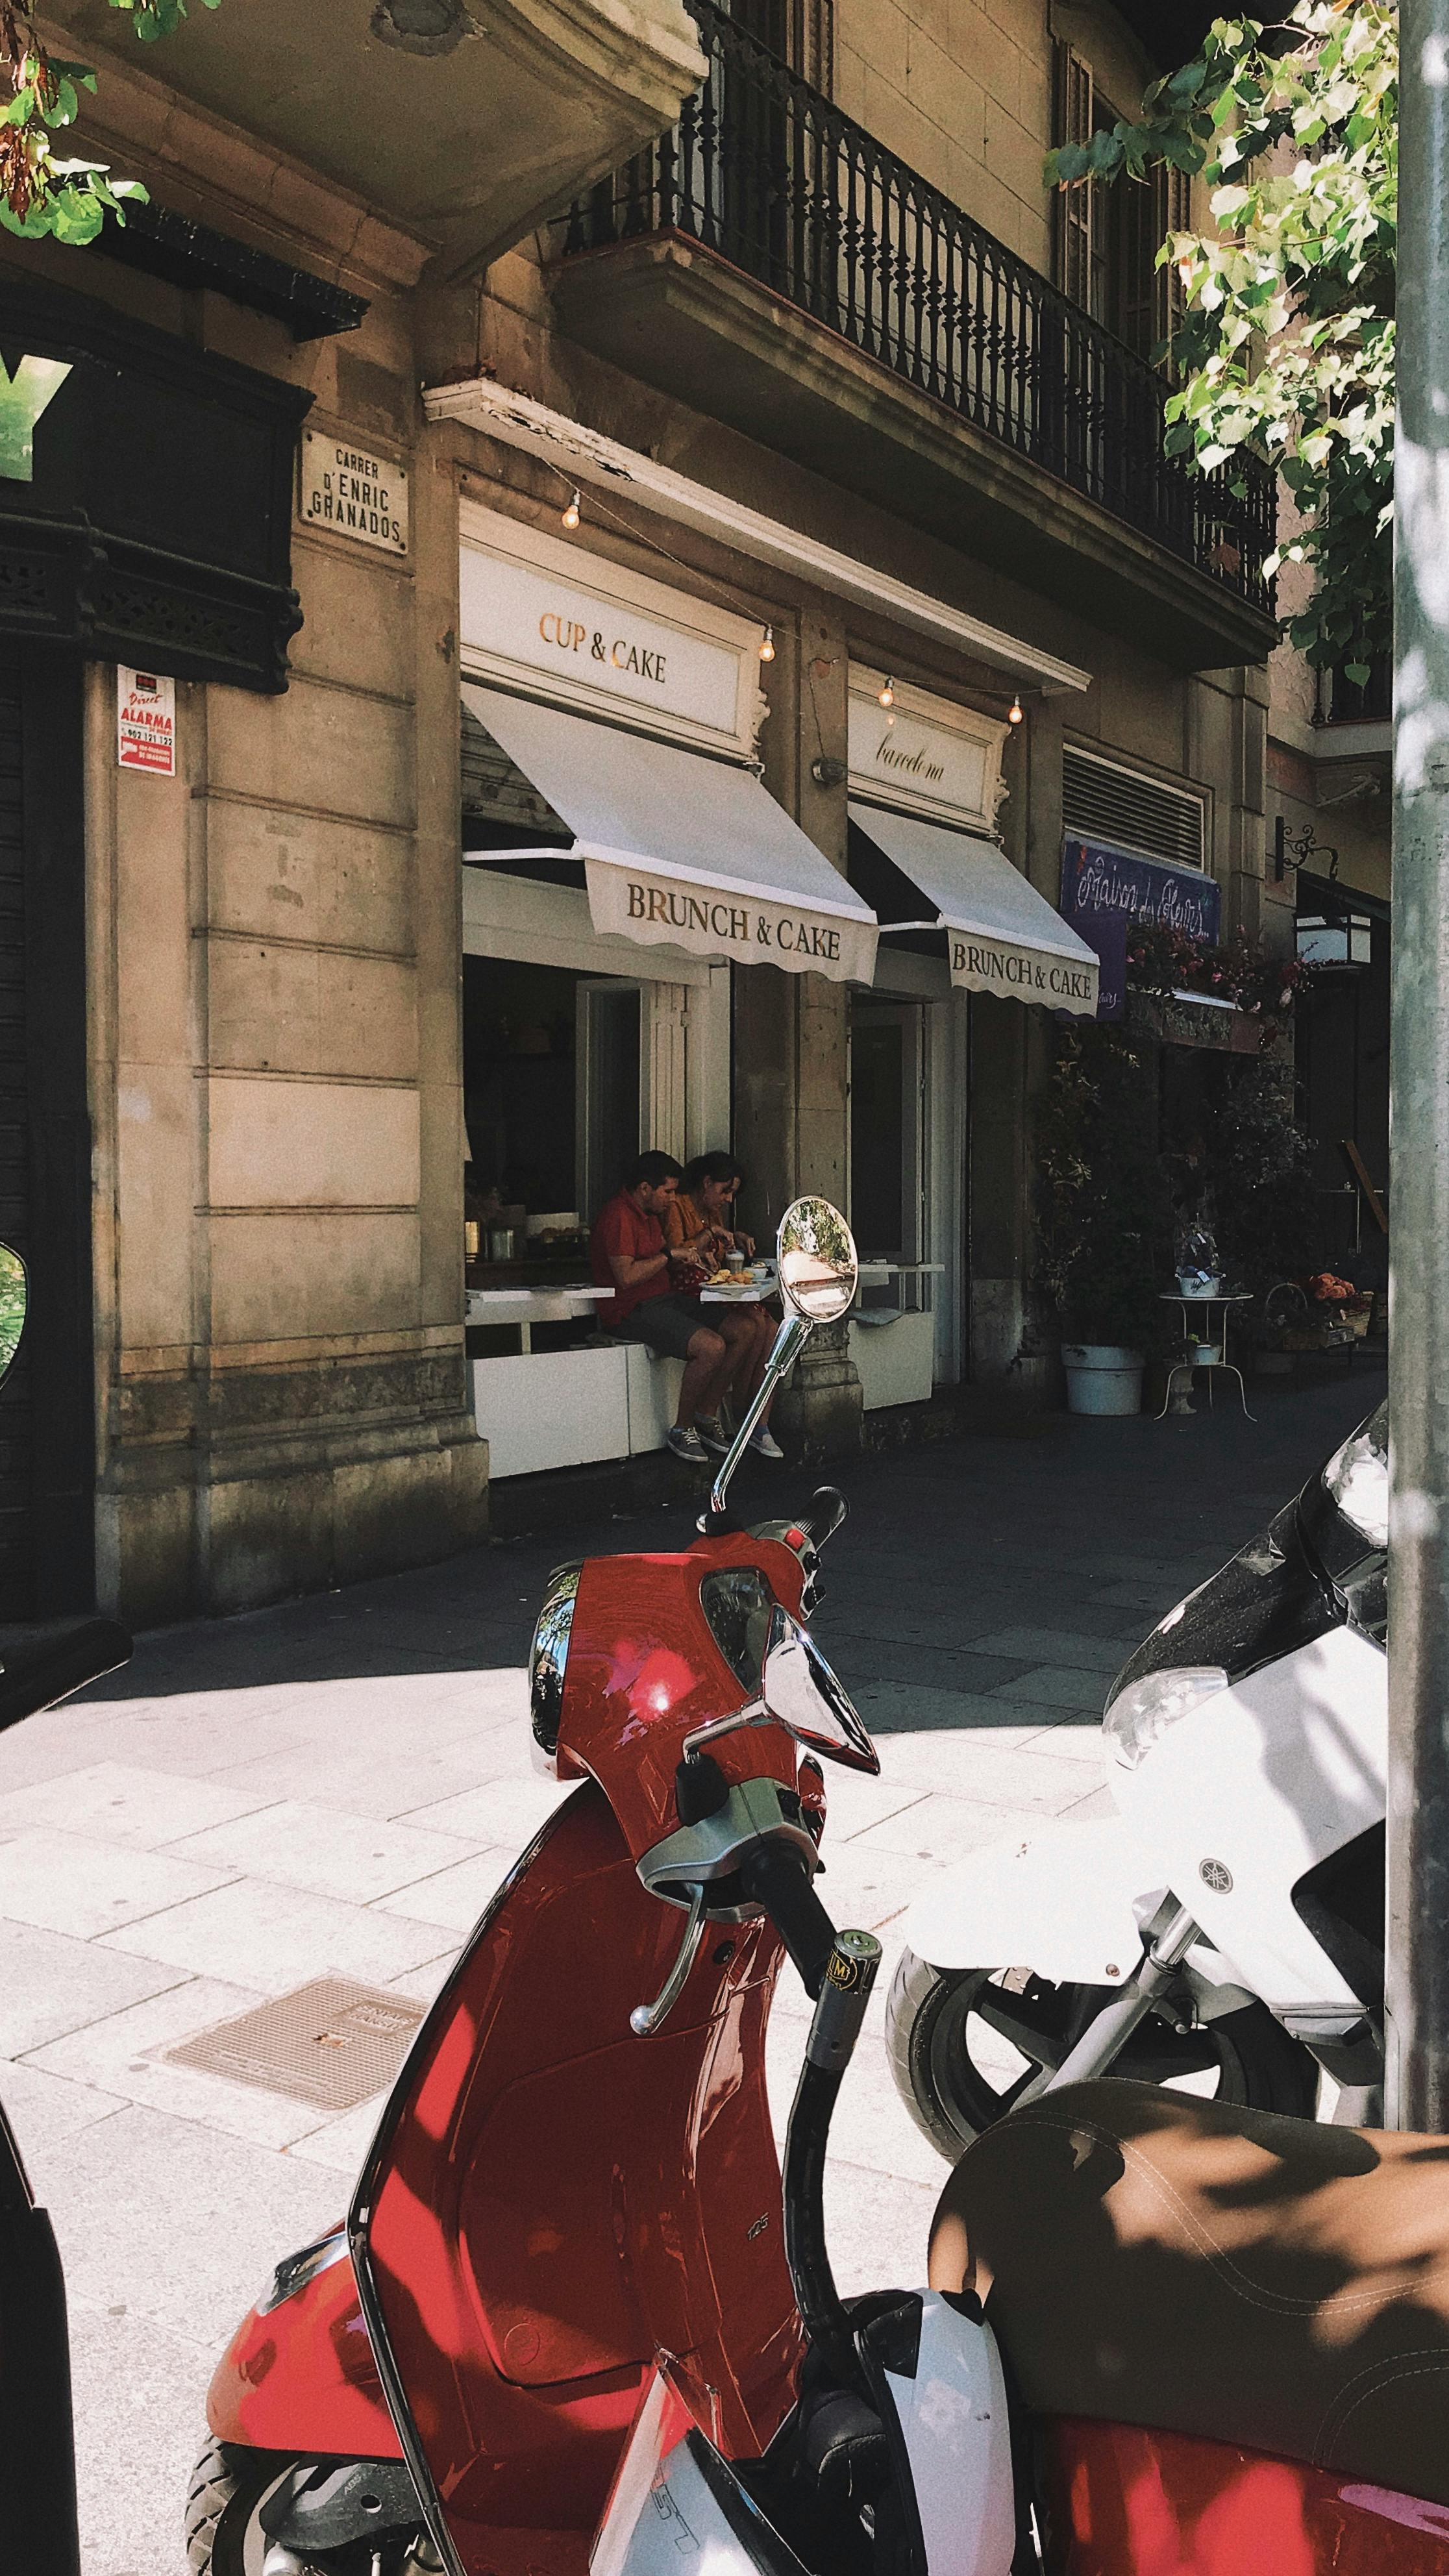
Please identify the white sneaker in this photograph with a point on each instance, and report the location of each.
(686, 1444)
(764, 1443)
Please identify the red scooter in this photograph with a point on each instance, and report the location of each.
(575, 2323)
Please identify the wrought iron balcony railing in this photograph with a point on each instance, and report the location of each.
(763, 170)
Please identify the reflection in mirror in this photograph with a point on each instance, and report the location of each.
(12, 1305)
(817, 1259)
(802, 1693)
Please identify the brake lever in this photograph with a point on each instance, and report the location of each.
(646, 2019)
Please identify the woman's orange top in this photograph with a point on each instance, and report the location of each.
(682, 1219)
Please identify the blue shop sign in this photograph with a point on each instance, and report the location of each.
(1105, 892)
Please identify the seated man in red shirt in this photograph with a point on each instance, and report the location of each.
(628, 1253)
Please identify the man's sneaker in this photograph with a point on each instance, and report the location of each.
(686, 1444)
(764, 1443)
(713, 1433)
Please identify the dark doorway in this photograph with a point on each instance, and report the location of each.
(47, 1421)
(1342, 1021)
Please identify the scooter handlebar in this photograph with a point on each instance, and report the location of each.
(777, 1876)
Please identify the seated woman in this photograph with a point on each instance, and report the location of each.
(705, 1206)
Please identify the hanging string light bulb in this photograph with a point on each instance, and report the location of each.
(1016, 713)
(767, 645)
(886, 696)
(573, 513)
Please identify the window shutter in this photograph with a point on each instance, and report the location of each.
(1075, 206)
(813, 49)
(1174, 215)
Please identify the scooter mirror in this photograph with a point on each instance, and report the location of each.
(13, 1289)
(818, 1263)
(802, 1693)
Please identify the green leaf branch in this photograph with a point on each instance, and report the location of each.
(1286, 346)
(42, 191)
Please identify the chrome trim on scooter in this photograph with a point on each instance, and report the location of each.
(645, 2019)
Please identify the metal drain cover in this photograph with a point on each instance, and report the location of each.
(332, 2043)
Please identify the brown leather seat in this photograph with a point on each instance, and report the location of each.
(1150, 2259)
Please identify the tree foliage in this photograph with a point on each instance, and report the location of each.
(1287, 342)
(41, 190)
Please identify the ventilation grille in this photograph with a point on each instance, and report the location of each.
(1103, 803)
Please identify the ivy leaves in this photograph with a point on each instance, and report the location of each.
(41, 190)
(1287, 343)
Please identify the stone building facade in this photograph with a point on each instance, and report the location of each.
(850, 476)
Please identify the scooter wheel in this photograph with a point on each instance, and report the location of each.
(229, 2486)
(964, 2043)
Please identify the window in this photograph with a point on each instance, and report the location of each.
(801, 32)
(1107, 239)
(1103, 802)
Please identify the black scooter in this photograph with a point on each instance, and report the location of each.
(40, 1663)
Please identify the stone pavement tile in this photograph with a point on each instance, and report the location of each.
(51, 1743)
(853, 1800)
(71, 1883)
(47, 2110)
(880, 1655)
(1126, 1568)
(50, 1985)
(867, 1884)
(127, 2055)
(340, 2146)
(906, 1707)
(877, 2227)
(940, 1831)
(871, 2127)
(1099, 1802)
(190, 1736)
(1059, 1646)
(140, 2411)
(1075, 1740)
(120, 1803)
(972, 1767)
(273, 1938)
(371, 1780)
(324, 1849)
(206, 2219)
(1058, 1686)
(1152, 1600)
(501, 1811)
(455, 1897)
(424, 1982)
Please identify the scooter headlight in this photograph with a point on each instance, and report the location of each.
(1140, 1716)
(548, 1663)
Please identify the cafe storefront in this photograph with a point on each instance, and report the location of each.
(621, 859)
(957, 918)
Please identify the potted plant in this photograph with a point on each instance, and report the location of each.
(1105, 1215)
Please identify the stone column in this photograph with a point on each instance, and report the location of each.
(792, 1031)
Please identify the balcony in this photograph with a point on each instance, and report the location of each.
(467, 125)
(770, 263)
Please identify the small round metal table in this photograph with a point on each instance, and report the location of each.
(1184, 1367)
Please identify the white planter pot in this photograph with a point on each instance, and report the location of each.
(1102, 1377)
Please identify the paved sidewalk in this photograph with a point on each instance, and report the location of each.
(339, 1785)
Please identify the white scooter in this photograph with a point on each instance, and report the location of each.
(1225, 1929)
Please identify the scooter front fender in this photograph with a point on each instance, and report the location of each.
(300, 2377)
(1068, 1903)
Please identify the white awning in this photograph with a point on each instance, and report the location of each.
(682, 851)
(1002, 936)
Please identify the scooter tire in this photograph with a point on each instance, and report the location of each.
(1262, 2067)
(228, 2484)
